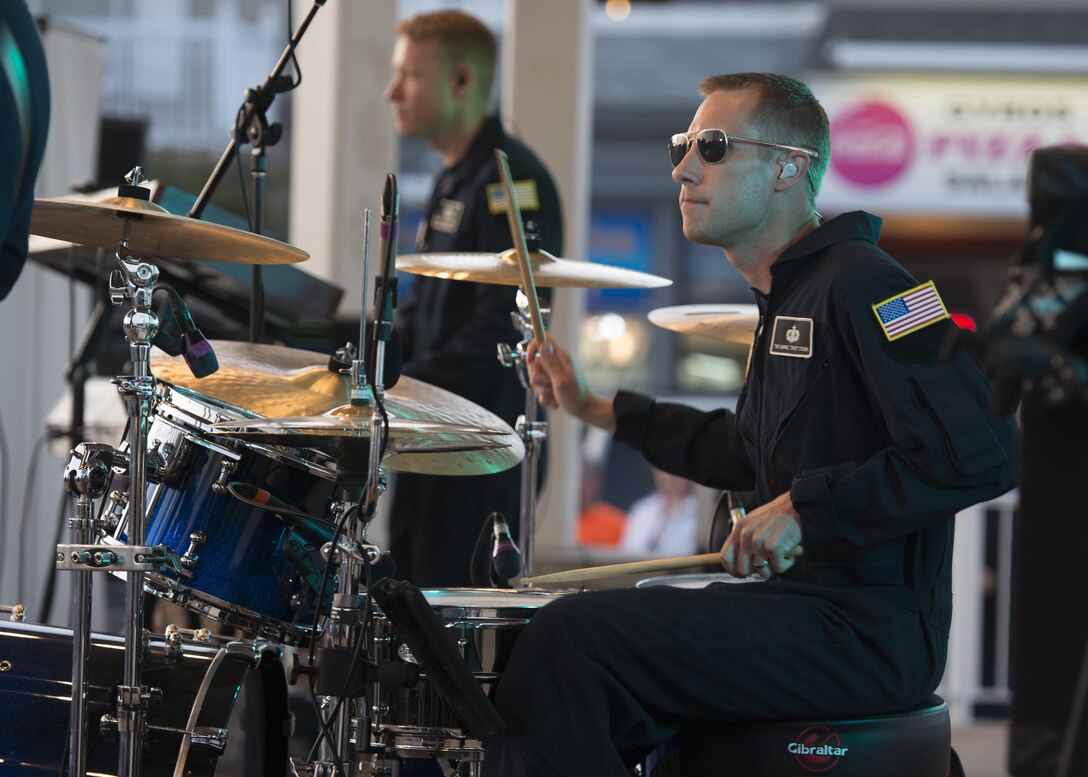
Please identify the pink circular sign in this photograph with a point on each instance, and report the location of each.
(871, 144)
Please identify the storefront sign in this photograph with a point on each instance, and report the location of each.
(945, 145)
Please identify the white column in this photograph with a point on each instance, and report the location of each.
(342, 142)
(961, 682)
(547, 81)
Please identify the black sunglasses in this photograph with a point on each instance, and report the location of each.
(712, 145)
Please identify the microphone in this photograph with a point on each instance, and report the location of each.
(190, 342)
(257, 494)
(310, 529)
(505, 555)
(196, 349)
(385, 290)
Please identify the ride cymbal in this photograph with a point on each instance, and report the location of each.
(288, 396)
(548, 270)
(152, 231)
(727, 323)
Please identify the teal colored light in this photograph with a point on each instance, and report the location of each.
(14, 67)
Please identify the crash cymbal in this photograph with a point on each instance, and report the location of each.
(268, 381)
(349, 421)
(299, 402)
(154, 232)
(548, 270)
(728, 323)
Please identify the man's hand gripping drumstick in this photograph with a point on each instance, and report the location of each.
(765, 542)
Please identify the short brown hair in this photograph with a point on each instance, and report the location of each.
(463, 37)
(786, 112)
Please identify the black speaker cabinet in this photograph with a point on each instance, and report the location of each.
(1049, 606)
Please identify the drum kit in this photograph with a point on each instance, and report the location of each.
(244, 496)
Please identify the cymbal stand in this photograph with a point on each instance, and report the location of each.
(530, 320)
(532, 432)
(134, 282)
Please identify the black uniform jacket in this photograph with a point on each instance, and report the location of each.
(878, 442)
(450, 329)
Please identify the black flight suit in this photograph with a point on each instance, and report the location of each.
(879, 444)
(450, 331)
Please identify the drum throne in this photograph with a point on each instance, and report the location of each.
(915, 742)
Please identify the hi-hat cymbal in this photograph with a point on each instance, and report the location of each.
(154, 232)
(728, 323)
(299, 402)
(548, 270)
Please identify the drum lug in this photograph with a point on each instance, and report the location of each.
(158, 459)
(190, 558)
(173, 647)
(114, 510)
(209, 738)
(226, 470)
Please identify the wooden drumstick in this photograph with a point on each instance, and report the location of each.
(629, 568)
(517, 232)
(635, 568)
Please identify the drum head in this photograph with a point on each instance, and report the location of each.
(488, 603)
(694, 581)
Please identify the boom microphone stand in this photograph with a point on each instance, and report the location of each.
(252, 126)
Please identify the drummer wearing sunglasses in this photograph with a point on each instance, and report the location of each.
(860, 442)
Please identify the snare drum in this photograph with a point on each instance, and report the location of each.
(695, 580)
(195, 724)
(244, 566)
(485, 624)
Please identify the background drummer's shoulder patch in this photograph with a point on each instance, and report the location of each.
(910, 311)
(524, 193)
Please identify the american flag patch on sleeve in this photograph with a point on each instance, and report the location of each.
(910, 311)
(524, 192)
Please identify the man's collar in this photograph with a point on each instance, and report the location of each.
(480, 150)
(855, 225)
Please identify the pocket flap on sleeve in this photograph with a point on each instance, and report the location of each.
(962, 422)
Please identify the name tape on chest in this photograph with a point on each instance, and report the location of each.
(447, 216)
(792, 337)
(524, 193)
(910, 311)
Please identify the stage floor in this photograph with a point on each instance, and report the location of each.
(982, 748)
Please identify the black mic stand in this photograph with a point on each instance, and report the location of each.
(252, 126)
(341, 677)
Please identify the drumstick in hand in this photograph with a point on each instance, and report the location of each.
(517, 233)
(634, 568)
